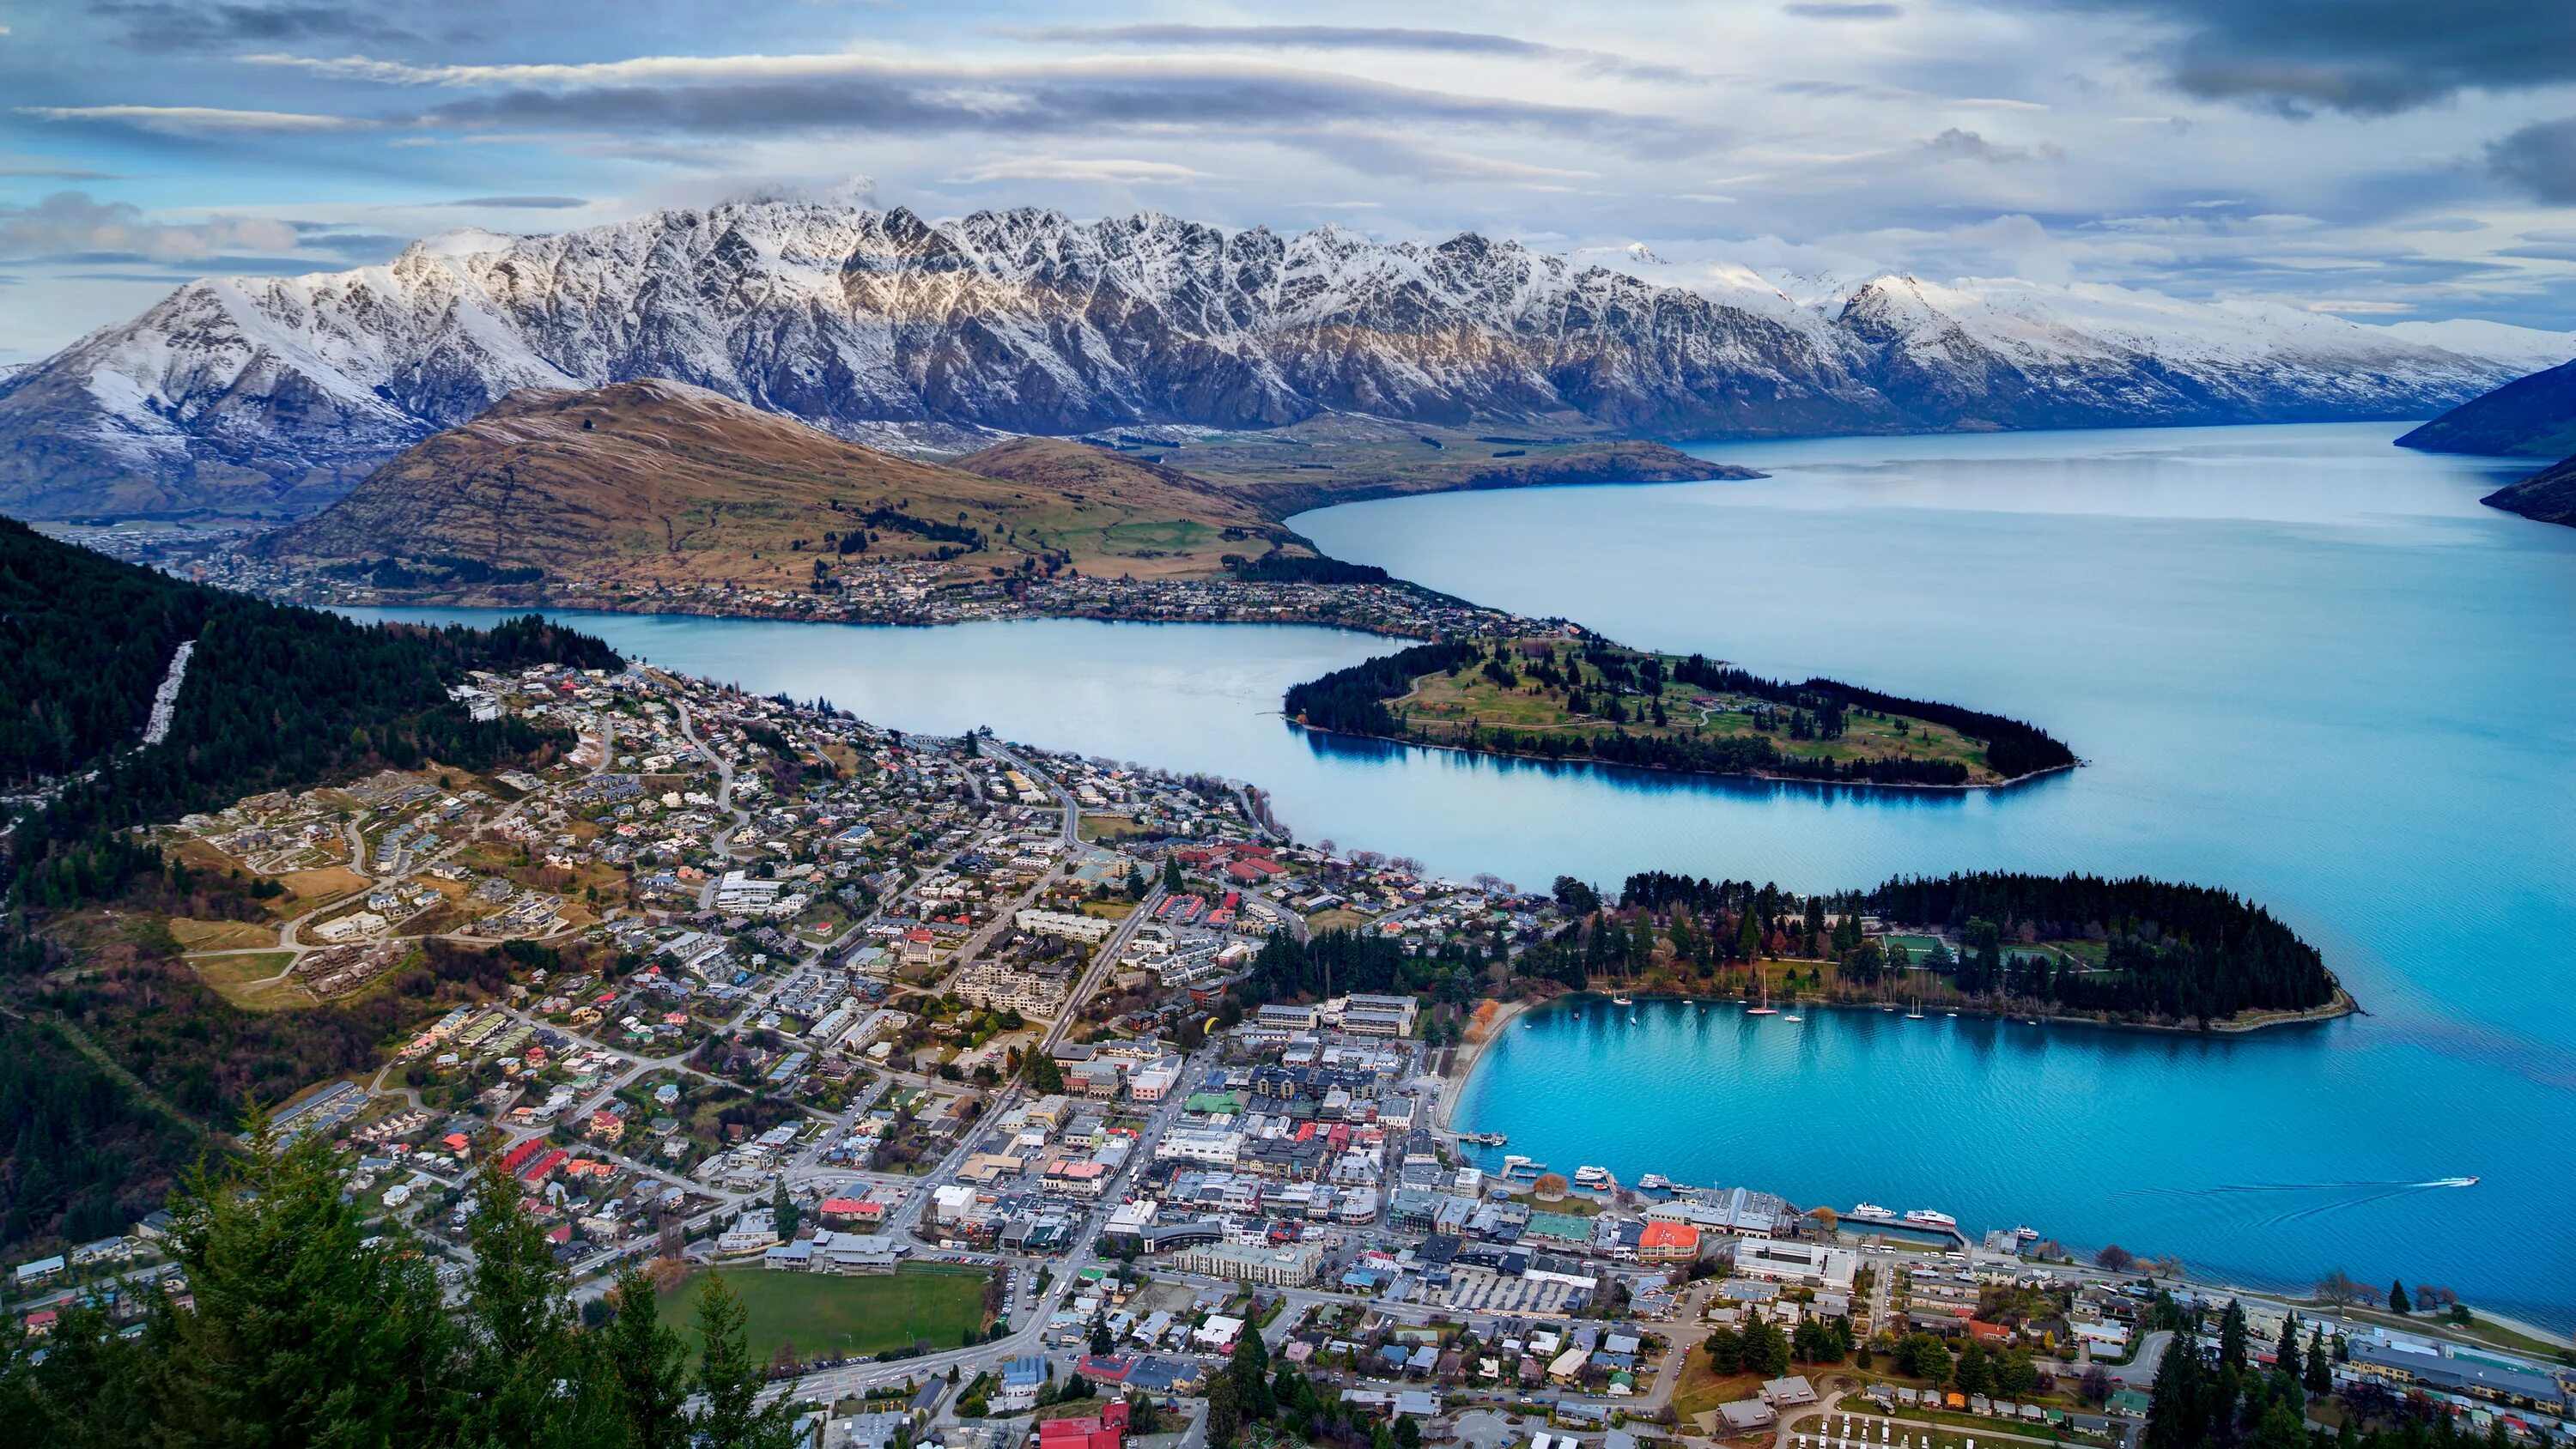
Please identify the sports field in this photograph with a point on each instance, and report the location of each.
(827, 1315)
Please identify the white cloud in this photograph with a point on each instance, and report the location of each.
(196, 120)
(1106, 170)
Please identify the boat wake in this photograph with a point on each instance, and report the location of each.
(2338, 1196)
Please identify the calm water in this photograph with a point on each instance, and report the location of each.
(2301, 663)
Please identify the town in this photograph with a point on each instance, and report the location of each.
(952, 1058)
(891, 591)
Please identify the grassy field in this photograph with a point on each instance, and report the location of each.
(244, 980)
(221, 935)
(825, 1315)
(1446, 704)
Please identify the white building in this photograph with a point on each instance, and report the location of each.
(1064, 923)
(1812, 1264)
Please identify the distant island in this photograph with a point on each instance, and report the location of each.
(1583, 698)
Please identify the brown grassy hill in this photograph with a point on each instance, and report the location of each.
(656, 481)
(1126, 515)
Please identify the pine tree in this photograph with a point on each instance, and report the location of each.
(647, 1365)
(1172, 881)
(522, 1348)
(2176, 1418)
(2319, 1377)
(2397, 1303)
(2285, 1355)
(731, 1379)
(1224, 1412)
(2231, 1336)
(299, 1335)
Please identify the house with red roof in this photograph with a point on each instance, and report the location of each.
(1106, 1430)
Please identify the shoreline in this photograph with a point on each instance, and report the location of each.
(2342, 1006)
(2002, 784)
(1453, 1083)
(864, 620)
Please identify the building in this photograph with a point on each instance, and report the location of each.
(755, 1231)
(1289, 1266)
(1668, 1243)
(1793, 1392)
(1781, 1261)
(2452, 1370)
(1021, 1379)
(1105, 1430)
(1064, 923)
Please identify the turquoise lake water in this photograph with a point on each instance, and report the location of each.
(2300, 663)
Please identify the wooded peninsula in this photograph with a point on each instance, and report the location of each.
(1583, 698)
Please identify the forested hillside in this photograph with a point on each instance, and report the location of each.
(2174, 951)
(273, 698)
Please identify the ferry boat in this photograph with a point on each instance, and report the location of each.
(1654, 1182)
(1926, 1218)
(1484, 1139)
(2026, 1233)
(1597, 1177)
(1870, 1212)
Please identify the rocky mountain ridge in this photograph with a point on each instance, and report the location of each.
(277, 394)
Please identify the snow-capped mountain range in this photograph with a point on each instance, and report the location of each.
(281, 392)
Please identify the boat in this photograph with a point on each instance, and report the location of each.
(1654, 1181)
(1765, 1009)
(1514, 1164)
(1793, 1016)
(1870, 1212)
(2026, 1233)
(1927, 1218)
(1594, 1177)
(1484, 1139)
(1621, 1001)
(1632, 1018)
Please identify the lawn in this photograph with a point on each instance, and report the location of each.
(245, 980)
(825, 1315)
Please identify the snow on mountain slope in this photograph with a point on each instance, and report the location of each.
(275, 394)
(2529, 348)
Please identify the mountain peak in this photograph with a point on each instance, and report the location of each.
(267, 394)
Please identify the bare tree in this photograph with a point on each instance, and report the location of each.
(2338, 1288)
(2115, 1258)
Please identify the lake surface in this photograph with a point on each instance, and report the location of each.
(2300, 663)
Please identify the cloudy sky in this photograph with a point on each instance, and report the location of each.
(2381, 159)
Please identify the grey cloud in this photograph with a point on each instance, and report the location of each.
(2363, 57)
(1971, 146)
(1817, 10)
(2542, 251)
(1362, 37)
(2441, 224)
(152, 25)
(1041, 101)
(74, 224)
(2541, 159)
